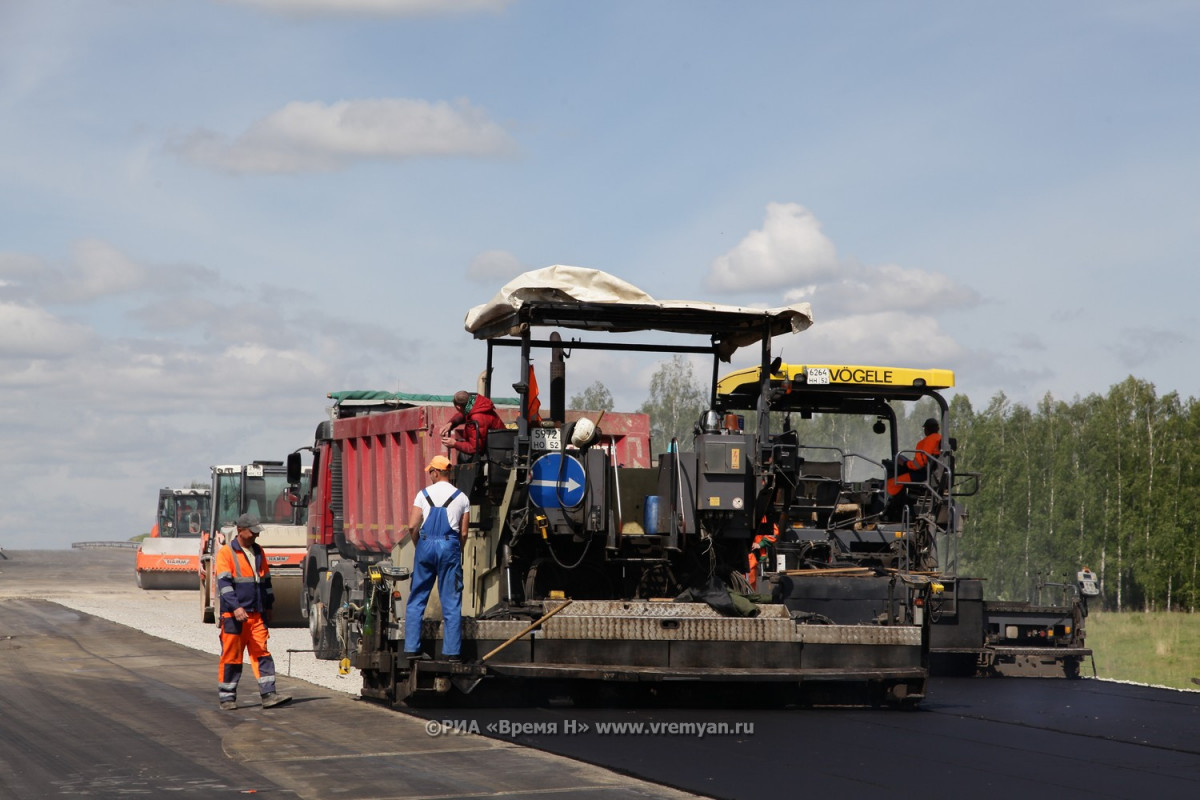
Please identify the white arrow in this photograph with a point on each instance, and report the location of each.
(570, 484)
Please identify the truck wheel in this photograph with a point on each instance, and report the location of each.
(1071, 667)
(324, 639)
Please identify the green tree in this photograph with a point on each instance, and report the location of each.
(596, 397)
(676, 402)
(1111, 482)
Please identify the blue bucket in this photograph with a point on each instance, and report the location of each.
(650, 514)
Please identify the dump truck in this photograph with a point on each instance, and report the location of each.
(850, 517)
(169, 557)
(261, 488)
(357, 522)
(586, 569)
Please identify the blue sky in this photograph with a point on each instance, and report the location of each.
(214, 212)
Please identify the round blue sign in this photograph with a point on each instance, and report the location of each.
(553, 484)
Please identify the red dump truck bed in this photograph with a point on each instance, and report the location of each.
(384, 456)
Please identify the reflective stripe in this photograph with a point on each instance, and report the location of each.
(237, 567)
(246, 584)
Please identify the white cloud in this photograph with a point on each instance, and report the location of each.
(866, 290)
(155, 395)
(790, 249)
(495, 265)
(891, 337)
(167, 314)
(315, 137)
(96, 269)
(791, 255)
(16, 271)
(33, 333)
(395, 8)
(99, 269)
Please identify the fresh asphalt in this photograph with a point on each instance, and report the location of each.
(1011, 738)
(95, 709)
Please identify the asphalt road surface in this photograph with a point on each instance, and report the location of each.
(973, 738)
(91, 708)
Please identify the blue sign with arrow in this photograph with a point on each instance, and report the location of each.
(555, 484)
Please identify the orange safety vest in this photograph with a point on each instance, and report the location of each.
(243, 579)
(931, 445)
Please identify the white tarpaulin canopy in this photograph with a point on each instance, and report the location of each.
(588, 299)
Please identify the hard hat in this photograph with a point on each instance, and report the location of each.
(584, 432)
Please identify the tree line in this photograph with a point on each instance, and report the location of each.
(1110, 482)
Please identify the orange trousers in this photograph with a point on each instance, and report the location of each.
(237, 638)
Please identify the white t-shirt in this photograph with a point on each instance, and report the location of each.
(438, 492)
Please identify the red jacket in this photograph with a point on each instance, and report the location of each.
(480, 418)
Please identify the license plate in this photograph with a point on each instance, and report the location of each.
(545, 439)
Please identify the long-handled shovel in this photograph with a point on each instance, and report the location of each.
(466, 684)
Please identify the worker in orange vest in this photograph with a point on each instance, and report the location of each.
(244, 588)
(762, 543)
(915, 469)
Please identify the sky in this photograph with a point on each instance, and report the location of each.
(215, 212)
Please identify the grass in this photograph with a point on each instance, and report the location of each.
(1159, 648)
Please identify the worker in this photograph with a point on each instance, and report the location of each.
(915, 469)
(477, 415)
(438, 523)
(760, 550)
(244, 586)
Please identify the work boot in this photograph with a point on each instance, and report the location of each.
(228, 705)
(415, 656)
(275, 699)
(456, 659)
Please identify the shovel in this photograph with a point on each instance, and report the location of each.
(466, 684)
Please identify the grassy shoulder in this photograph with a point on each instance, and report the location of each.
(1159, 648)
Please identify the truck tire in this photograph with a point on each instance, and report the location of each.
(324, 637)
